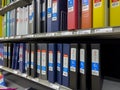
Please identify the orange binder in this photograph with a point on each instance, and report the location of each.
(86, 14)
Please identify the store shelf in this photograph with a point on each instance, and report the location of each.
(91, 33)
(40, 81)
(13, 5)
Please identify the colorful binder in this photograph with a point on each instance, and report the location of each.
(44, 16)
(59, 15)
(100, 7)
(44, 61)
(96, 67)
(66, 70)
(86, 14)
(59, 62)
(49, 16)
(1, 54)
(74, 66)
(72, 14)
(33, 60)
(85, 67)
(22, 58)
(114, 13)
(52, 62)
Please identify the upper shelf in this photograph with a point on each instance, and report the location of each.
(90, 33)
(13, 5)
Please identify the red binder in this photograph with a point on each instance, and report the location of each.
(72, 14)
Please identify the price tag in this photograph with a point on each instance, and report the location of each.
(17, 37)
(6, 37)
(84, 32)
(2, 38)
(50, 34)
(24, 75)
(105, 30)
(56, 87)
(66, 33)
(14, 71)
(12, 37)
(1, 66)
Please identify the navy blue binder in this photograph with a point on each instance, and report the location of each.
(66, 70)
(17, 56)
(14, 54)
(59, 63)
(10, 50)
(22, 58)
(59, 15)
(5, 61)
(1, 54)
(49, 16)
(44, 16)
(52, 62)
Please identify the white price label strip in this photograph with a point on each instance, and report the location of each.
(50, 34)
(103, 30)
(6, 37)
(1, 66)
(54, 86)
(24, 75)
(66, 33)
(18, 37)
(84, 32)
(16, 72)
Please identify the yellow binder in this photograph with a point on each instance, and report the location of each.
(114, 13)
(1, 26)
(100, 13)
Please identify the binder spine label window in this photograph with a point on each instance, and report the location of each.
(85, 5)
(115, 3)
(97, 3)
(70, 5)
(95, 62)
(82, 61)
(65, 65)
(49, 9)
(44, 62)
(50, 61)
(73, 60)
(54, 10)
(58, 60)
(32, 59)
(43, 11)
(38, 61)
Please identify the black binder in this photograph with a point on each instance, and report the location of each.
(10, 51)
(33, 60)
(44, 62)
(74, 70)
(5, 61)
(85, 67)
(96, 67)
(28, 50)
(44, 16)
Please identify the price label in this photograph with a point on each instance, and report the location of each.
(24, 75)
(11, 37)
(17, 37)
(1, 66)
(84, 32)
(6, 37)
(14, 71)
(66, 33)
(56, 87)
(103, 30)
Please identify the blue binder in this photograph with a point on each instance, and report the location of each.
(14, 54)
(52, 62)
(8, 24)
(59, 15)
(49, 16)
(66, 70)
(59, 63)
(17, 57)
(22, 58)
(1, 54)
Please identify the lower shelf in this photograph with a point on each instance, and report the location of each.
(42, 82)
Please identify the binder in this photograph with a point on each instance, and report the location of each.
(13, 56)
(5, 62)
(22, 58)
(86, 14)
(32, 18)
(100, 7)
(33, 60)
(1, 25)
(59, 15)
(114, 12)
(1, 54)
(52, 62)
(17, 56)
(39, 9)
(44, 16)
(44, 61)
(96, 67)
(10, 50)
(10, 22)
(85, 66)
(72, 12)
(28, 59)
(59, 63)
(5, 25)
(39, 60)
(49, 16)
(66, 69)
(74, 66)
